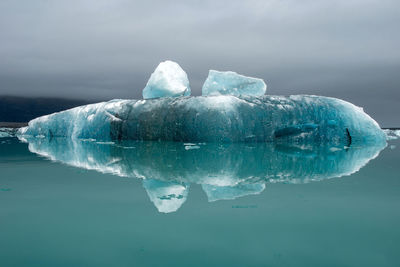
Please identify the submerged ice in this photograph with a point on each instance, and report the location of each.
(224, 118)
(168, 80)
(231, 83)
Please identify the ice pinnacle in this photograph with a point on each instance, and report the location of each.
(231, 83)
(168, 80)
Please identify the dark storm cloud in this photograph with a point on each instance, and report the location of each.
(108, 49)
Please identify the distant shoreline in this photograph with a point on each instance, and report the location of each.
(13, 124)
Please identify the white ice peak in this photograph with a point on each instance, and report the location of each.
(170, 80)
(167, 80)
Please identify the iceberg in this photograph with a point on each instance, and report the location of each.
(231, 83)
(168, 80)
(294, 119)
(224, 171)
(7, 132)
(392, 134)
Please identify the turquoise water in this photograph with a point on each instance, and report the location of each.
(169, 204)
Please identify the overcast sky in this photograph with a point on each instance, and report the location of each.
(107, 49)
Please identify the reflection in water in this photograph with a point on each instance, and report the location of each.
(166, 196)
(225, 171)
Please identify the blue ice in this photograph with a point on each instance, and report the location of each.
(224, 118)
(231, 83)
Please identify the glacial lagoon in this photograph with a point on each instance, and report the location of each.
(81, 202)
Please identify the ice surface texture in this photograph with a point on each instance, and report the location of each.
(294, 119)
(168, 80)
(231, 83)
(225, 171)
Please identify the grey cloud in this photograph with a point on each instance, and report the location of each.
(108, 49)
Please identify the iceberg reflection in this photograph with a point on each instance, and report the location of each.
(225, 171)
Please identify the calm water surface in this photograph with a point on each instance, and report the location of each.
(84, 203)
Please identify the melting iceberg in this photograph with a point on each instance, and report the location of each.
(224, 171)
(224, 118)
(168, 80)
(231, 83)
